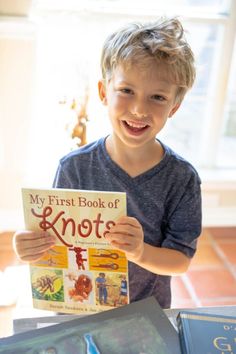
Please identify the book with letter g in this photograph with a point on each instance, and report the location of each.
(202, 333)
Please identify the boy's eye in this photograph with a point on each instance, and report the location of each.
(158, 98)
(126, 90)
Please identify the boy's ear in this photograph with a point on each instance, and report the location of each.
(174, 110)
(102, 92)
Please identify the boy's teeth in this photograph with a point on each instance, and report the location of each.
(135, 125)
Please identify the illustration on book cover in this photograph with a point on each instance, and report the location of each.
(81, 273)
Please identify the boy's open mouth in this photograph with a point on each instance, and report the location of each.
(135, 127)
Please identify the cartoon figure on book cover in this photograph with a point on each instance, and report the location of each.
(123, 299)
(101, 284)
(78, 258)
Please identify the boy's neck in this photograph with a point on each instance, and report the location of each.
(137, 160)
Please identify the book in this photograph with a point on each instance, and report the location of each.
(82, 273)
(139, 327)
(206, 333)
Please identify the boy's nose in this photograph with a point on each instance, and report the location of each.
(139, 110)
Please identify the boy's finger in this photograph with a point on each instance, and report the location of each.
(32, 257)
(32, 254)
(25, 244)
(30, 235)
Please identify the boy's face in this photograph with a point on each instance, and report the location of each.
(139, 102)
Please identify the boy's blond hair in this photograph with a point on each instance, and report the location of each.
(162, 40)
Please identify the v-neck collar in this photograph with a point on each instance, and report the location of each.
(123, 175)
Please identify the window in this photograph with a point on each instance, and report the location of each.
(227, 145)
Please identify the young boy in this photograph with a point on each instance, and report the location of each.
(146, 72)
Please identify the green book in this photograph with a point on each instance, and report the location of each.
(139, 327)
(202, 333)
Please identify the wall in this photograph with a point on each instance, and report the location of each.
(219, 202)
(17, 61)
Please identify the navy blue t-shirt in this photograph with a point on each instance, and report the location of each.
(166, 200)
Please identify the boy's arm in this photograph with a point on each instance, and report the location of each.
(127, 235)
(163, 261)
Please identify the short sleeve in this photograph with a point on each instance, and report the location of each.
(62, 178)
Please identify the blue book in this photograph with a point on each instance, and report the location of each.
(202, 333)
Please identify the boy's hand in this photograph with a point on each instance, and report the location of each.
(127, 236)
(31, 245)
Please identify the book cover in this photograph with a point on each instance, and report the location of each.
(139, 327)
(206, 333)
(81, 273)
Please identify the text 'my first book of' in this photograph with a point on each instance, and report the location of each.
(202, 333)
(81, 273)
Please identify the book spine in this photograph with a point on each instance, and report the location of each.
(183, 343)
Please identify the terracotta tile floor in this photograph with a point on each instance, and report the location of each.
(211, 278)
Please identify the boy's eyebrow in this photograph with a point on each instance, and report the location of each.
(161, 90)
(158, 89)
(122, 82)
